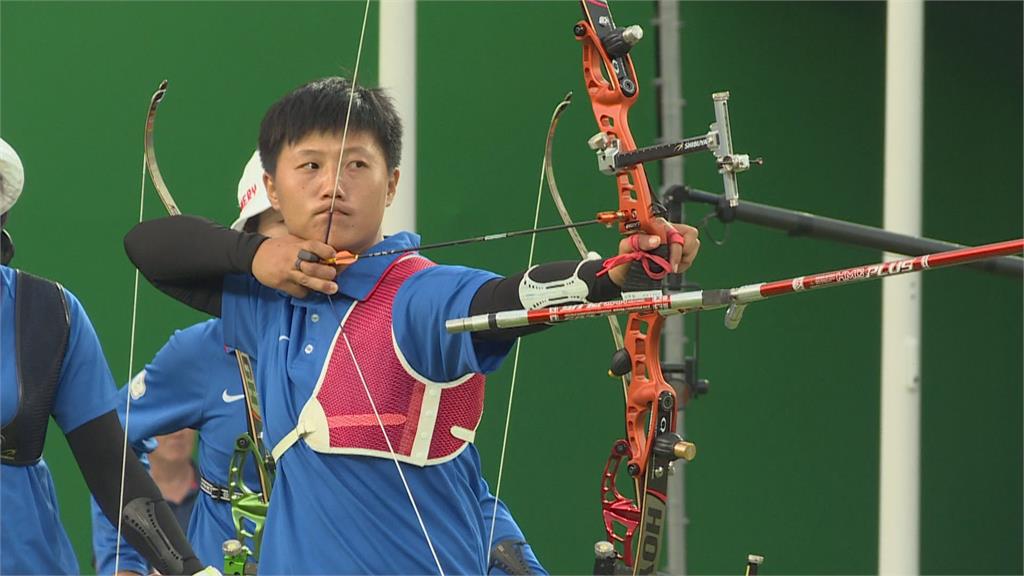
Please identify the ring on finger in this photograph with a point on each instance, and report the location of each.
(308, 256)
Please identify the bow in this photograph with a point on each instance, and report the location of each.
(148, 163)
(651, 442)
(245, 503)
(154, 169)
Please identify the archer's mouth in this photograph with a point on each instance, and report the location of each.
(336, 213)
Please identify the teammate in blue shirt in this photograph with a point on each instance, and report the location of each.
(194, 382)
(369, 404)
(51, 363)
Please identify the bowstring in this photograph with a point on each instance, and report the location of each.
(515, 371)
(128, 399)
(341, 326)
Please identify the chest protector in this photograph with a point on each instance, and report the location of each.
(426, 422)
(42, 323)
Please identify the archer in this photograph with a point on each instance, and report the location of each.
(370, 406)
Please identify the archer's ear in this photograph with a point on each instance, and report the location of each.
(392, 187)
(268, 183)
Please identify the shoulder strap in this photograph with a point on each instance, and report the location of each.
(42, 323)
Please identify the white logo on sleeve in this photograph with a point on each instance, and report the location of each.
(137, 387)
(229, 398)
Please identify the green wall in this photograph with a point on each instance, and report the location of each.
(75, 84)
(788, 436)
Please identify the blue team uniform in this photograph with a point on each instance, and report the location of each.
(32, 539)
(334, 514)
(192, 382)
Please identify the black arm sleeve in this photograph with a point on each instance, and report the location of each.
(149, 525)
(187, 257)
(503, 293)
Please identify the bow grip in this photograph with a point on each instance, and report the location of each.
(637, 279)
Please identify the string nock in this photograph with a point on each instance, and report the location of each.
(342, 258)
(733, 315)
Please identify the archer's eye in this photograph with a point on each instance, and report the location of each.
(309, 166)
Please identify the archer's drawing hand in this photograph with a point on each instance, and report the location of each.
(292, 265)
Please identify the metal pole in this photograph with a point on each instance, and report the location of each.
(671, 102)
(397, 49)
(900, 452)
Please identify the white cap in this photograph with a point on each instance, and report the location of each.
(252, 194)
(12, 176)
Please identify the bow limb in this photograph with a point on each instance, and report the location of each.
(563, 212)
(149, 163)
(154, 169)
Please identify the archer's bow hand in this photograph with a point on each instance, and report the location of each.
(683, 247)
(292, 265)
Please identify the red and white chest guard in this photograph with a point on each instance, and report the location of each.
(427, 422)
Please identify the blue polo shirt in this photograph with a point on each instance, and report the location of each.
(32, 539)
(341, 514)
(192, 382)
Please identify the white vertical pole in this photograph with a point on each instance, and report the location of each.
(398, 77)
(900, 470)
(673, 332)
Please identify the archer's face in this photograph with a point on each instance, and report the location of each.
(175, 447)
(305, 179)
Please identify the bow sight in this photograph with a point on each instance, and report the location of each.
(611, 159)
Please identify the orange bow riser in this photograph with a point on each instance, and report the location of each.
(651, 441)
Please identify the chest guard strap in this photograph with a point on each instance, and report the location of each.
(42, 323)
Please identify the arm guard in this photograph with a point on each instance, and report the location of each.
(149, 525)
(551, 284)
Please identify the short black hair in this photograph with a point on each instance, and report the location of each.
(320, 107)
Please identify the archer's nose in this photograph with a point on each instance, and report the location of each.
(333, 185)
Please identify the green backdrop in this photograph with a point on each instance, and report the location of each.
(788, 437)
